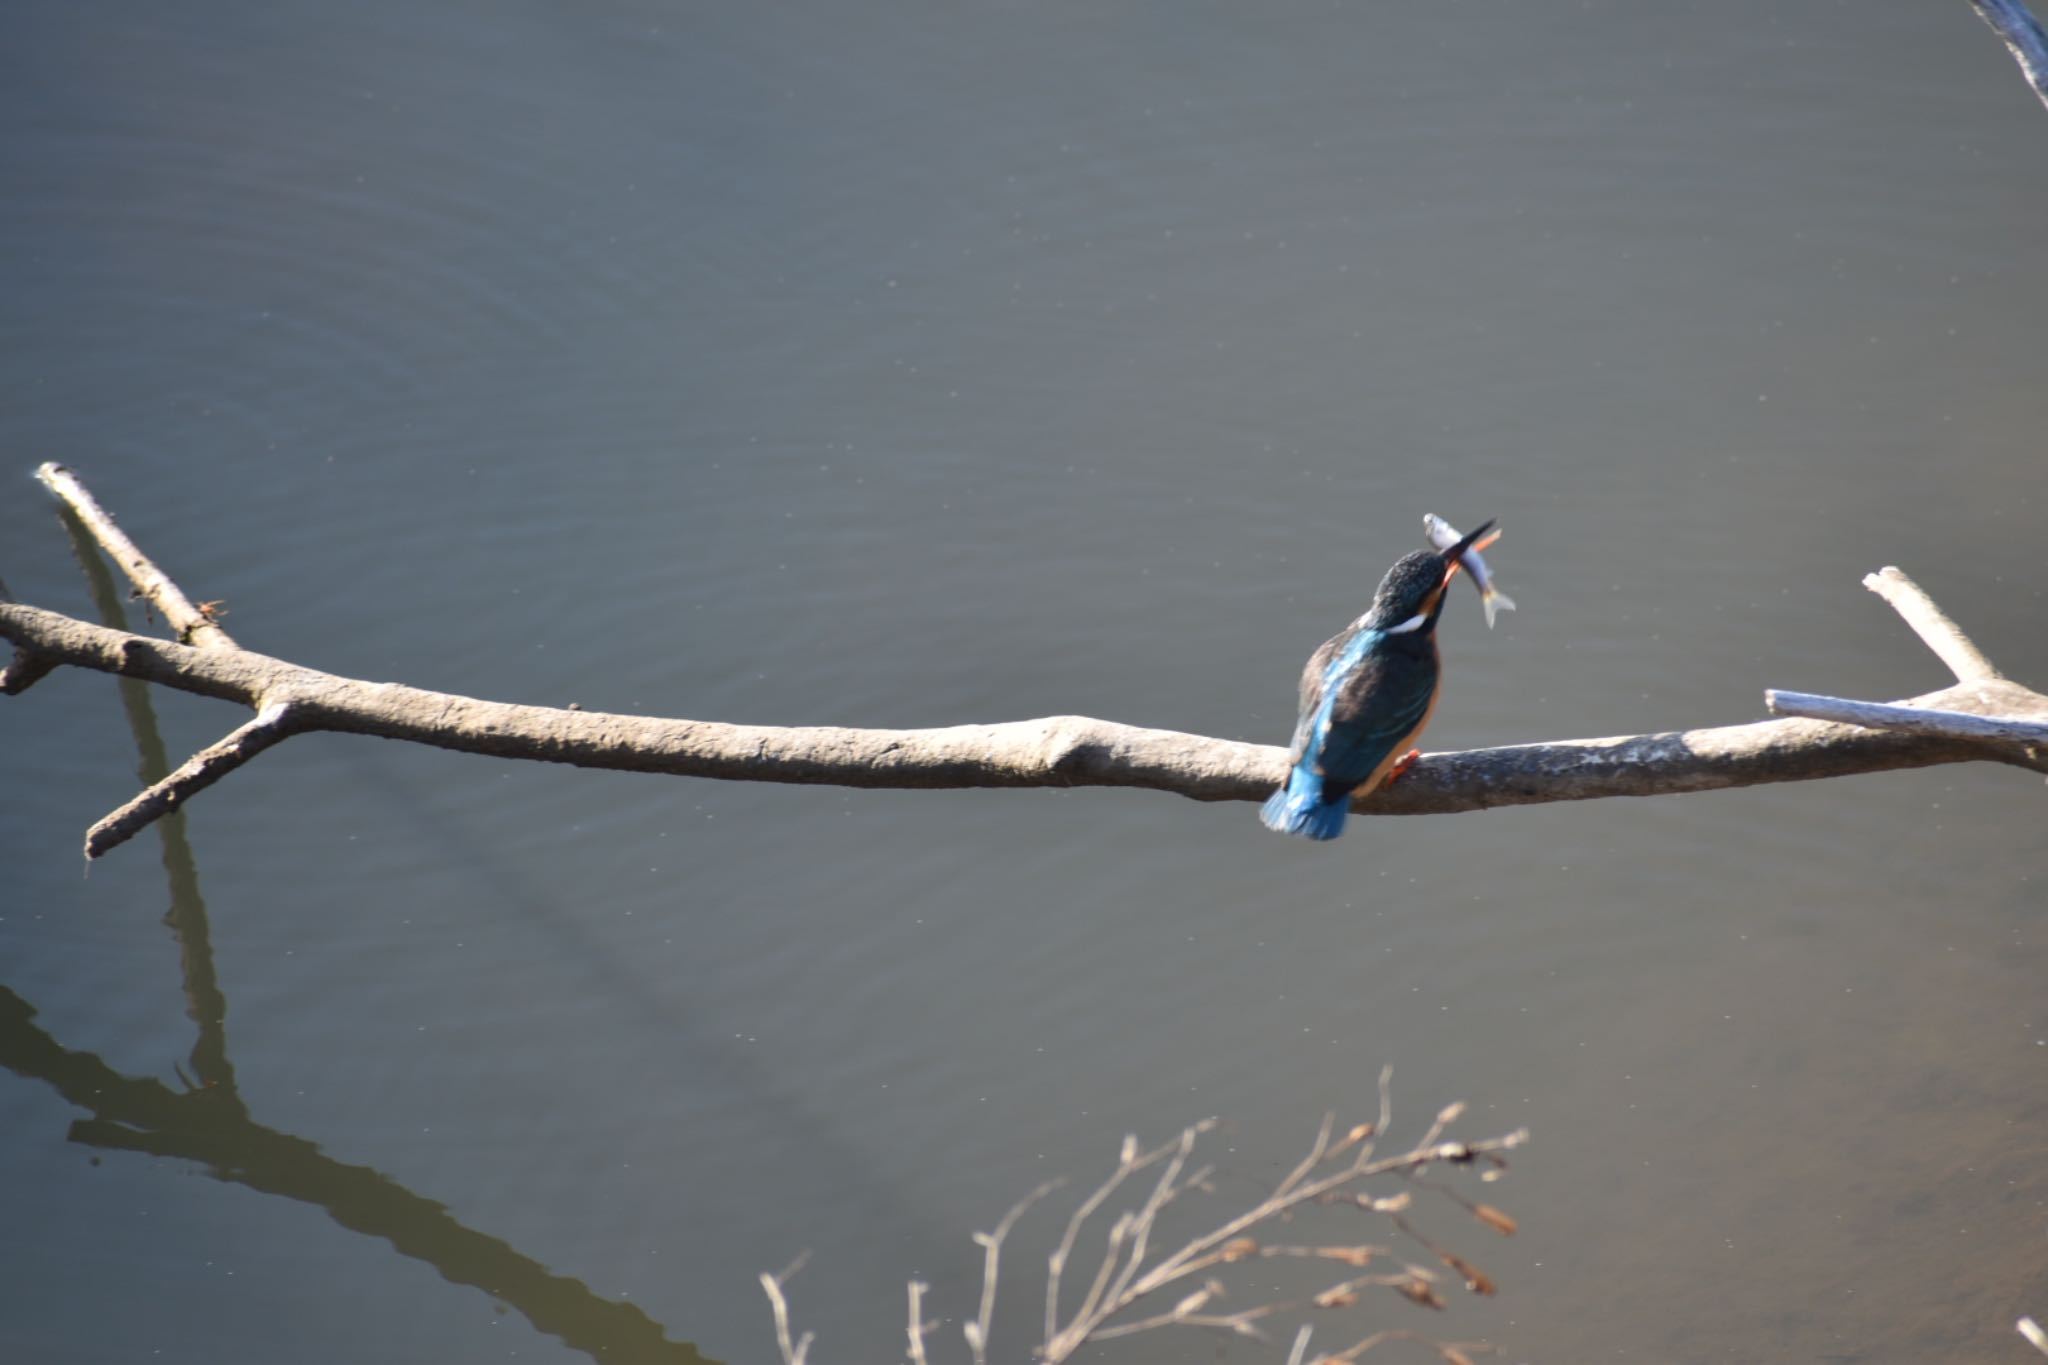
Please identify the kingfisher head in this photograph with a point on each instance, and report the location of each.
(1411, 596)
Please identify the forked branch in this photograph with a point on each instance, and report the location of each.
(1056, 751)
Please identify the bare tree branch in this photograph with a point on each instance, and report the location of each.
(1932, 625)
(272, 725)
(1450, 1352)
(195, 625)
(1127, 1274)
(918, 1325)
(991, 1244)
(1055, 751)
(793, 1353)
(1912, 720)
(27, 668)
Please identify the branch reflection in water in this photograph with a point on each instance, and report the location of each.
(209, 1123)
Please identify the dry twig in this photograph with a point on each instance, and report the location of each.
(793, 1353)
(1984, 707)
(195, 625)
(1129, 1275)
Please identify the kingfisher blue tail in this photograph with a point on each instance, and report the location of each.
(1299, 808)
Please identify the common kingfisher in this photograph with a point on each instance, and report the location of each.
(1365, 696)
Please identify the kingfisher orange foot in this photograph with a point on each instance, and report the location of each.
(1402, 765)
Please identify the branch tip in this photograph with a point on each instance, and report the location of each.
(195, 625)
(1932, 625)
(276, 723)
(27, 668)
(1913, 720)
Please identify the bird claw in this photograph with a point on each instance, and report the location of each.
(1403, 764)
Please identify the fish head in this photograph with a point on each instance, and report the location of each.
(1473, 541)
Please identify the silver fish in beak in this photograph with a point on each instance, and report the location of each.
(1444, 536)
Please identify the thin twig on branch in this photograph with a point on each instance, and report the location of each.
(2002, 712)
(1912, 720)
(273, 725)
(1120, 1300)
(194, 624)
(793, 1352)
(1056, 751)
(1932, 625)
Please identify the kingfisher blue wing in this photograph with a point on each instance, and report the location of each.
(1379, 707)
(1315, 679)
(1366, 695)
(1362, 704)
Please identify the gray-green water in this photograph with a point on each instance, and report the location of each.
(908, 365)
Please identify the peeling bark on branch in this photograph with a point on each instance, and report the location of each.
(1056, 751)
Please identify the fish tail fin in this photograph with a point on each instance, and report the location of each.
(1495, 602)
(1299, 808)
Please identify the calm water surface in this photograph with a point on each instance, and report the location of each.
(911, 365)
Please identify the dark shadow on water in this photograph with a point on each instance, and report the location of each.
(204, 1004)
(209, 1125)
(208, 1122)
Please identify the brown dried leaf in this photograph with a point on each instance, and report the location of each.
(1475, 1278)
(1360, 1133)
(1393, 1203)
(1423, 1292)
(1495, 1219)
(1238, 1248)
(1337, 1296)
(1358, 1256)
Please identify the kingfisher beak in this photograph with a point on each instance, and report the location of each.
(1477, 539)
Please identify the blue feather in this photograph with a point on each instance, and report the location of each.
(1299, 808)
(1364, 695)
